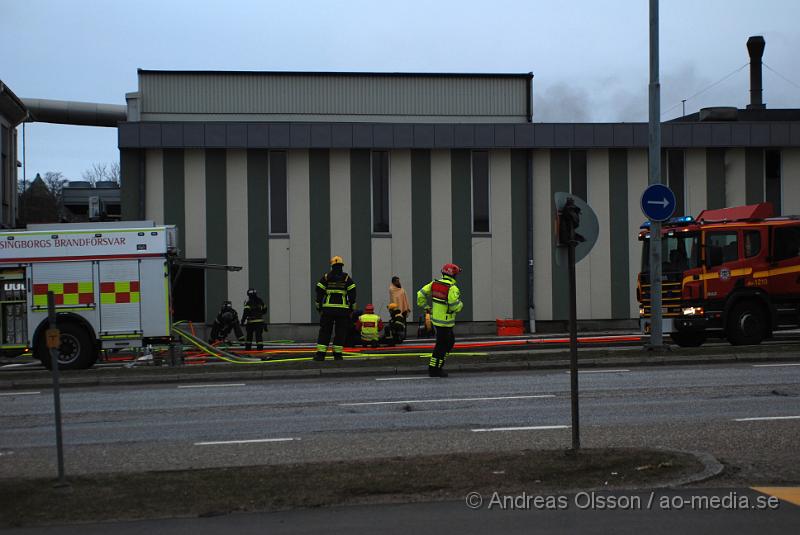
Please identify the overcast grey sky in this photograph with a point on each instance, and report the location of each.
(589, 58)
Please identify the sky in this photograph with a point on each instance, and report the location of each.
(589, 58)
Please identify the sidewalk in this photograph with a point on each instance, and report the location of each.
(394, 363)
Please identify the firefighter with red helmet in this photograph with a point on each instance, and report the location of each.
(446, 302)
(370, 326)
(336, 298)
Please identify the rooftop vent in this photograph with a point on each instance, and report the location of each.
(719, 113)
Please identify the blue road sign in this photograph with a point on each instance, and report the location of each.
(658, 202)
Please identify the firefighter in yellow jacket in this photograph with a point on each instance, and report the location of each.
(446, 303)
(369, 325)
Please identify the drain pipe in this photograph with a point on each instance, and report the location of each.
(529, 202)
(77, 113)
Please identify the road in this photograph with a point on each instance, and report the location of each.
(454, 517)
(746, 415)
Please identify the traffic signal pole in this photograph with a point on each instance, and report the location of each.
(654, 177)
(573, 347)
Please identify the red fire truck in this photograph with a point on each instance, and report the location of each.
(731, 273)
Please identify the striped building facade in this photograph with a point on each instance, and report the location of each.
(400, 197)
(219, 198)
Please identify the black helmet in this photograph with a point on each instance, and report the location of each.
(227, 304)
(251, 292)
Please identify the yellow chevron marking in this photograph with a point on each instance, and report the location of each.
(786, 494)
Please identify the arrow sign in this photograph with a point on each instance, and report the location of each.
(658, 202)
(663, 203)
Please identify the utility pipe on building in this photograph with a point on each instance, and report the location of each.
(71, 112)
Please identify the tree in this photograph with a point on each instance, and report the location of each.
(102, 172)
(38, 203)
(54, 180)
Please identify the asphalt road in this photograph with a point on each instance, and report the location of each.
(740, 511)
(746, 415)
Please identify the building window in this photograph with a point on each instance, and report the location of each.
(772, 179)
(278, 201)
(380, 191)
(675, 179)
(480, 191)
(577, 174)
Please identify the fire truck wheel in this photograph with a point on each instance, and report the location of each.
(746, 324)
(688, 339)
(77, 351)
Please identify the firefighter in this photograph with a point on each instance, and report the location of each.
(253, 319)
(446, 303)
(226, 320)
(395, 331)
(336, 298)
(370, 325)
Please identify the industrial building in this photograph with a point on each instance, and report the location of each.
(12, 113)
(400, 173)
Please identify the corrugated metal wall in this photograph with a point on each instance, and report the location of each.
(208, 96)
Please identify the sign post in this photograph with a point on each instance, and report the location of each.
(53, 337)
(658, 204)
(573, 214)
(654, 178)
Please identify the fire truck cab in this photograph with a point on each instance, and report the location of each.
(110, 285)
(732, 273)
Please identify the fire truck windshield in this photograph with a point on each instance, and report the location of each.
(679, 252)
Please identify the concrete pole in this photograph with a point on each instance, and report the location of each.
(654, 177)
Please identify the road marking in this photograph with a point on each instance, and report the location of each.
(210, 386)
(775, 365)
(532, 428)
(403, 378)
(600, 371)
(19, 393)
(443, 400)
(22, 365)
(254, 441)
(767, 418)
(787, 494)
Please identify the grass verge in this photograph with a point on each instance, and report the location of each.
(219, 491)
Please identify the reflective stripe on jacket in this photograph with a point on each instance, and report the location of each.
(336, 291)
(254, 311)
(446, 298)
(371, 325)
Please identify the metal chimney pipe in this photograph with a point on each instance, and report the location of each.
(755, 47)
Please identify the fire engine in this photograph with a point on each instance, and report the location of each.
(731, 273)
(110, 282)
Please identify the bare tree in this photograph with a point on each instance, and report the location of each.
(96, 173)
(102, 172)
(114, 172)
(54, 180)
